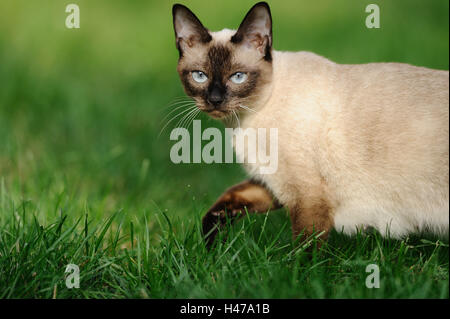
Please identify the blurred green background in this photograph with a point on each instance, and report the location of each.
(81, 109)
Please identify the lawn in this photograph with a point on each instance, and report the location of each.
(86, 177)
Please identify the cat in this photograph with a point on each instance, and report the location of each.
(359, 146)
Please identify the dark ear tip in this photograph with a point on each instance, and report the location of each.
(262, 4)
(178, 6)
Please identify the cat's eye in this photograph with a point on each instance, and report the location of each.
(238, 77)
(199, 76)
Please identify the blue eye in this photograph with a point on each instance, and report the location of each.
(238, 77)
(199, 76)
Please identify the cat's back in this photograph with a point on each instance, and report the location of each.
(394, 112)
(379, 80)
(378, 133)
(380, 111)
(301, 66)
(401, 85)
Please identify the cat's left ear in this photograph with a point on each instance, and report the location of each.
(255, 30)
(188, 28)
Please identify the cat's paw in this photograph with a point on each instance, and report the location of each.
(214, 221)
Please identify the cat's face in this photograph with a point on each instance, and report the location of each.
(224, 71)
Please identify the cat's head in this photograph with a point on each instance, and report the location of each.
(228, 70)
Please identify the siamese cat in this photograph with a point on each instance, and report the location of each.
(358, 145)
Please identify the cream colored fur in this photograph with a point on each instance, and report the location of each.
(372, 138)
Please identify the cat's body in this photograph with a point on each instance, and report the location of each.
(371, 141)
(358, 145)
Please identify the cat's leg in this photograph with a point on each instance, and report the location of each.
(248, 196)
(311, 215)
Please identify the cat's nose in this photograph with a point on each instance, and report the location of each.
(216, 97)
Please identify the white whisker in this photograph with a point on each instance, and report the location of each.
(192, 117)
(178, 103)
(174, 102)
(247, 108)
(177, 115)
(185, 119)
(177, 108)
(237, 119)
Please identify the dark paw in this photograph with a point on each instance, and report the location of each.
(213, 222)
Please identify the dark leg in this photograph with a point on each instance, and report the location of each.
(249, 196)
(311, 216)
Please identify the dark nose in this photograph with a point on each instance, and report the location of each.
(216, 96)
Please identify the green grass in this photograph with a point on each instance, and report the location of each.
(84, 178)
(255, 261)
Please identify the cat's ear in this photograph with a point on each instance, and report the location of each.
(188, 28)
(255, 30)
